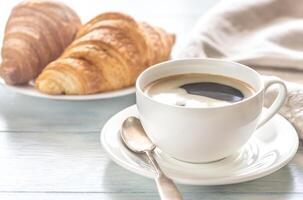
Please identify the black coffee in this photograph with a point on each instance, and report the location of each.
(198, 90)
(214, 90)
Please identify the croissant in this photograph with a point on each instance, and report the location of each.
(37, 32)
(109, 53)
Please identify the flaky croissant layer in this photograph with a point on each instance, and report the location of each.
(109, 53)
(37, 32)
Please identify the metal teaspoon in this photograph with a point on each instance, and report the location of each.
(135, 138)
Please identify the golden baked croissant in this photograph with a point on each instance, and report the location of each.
(109, 52)
(36, 33)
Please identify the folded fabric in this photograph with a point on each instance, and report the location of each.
(293, 107)
(263, 34)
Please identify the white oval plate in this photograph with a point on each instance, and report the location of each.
(269, 149)
(30, 90)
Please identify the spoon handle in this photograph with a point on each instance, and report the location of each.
(166, 187)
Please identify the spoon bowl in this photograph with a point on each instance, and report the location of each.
(134, 136)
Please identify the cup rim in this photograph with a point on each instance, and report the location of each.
(140, 90)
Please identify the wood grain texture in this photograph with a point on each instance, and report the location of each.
(50, 149)
(75, 162)
(28, 114)
(146, 196)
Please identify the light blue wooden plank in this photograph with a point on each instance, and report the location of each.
(22, 113)
(76, 162)
(146, 196)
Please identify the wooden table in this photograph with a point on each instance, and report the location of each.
(51, 149)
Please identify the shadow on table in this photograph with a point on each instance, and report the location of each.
(276, 186)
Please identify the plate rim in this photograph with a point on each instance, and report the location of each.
(37, 94)
(219, 181)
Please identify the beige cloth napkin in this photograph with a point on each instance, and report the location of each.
(258, 33)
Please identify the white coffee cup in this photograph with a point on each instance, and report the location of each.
(199, 134)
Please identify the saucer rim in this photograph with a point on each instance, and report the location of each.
(216, 181)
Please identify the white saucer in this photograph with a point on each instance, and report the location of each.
(30, 90)
(269, 149)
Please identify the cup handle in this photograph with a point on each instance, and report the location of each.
(278, 102)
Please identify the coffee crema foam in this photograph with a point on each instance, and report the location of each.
(198, 90)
